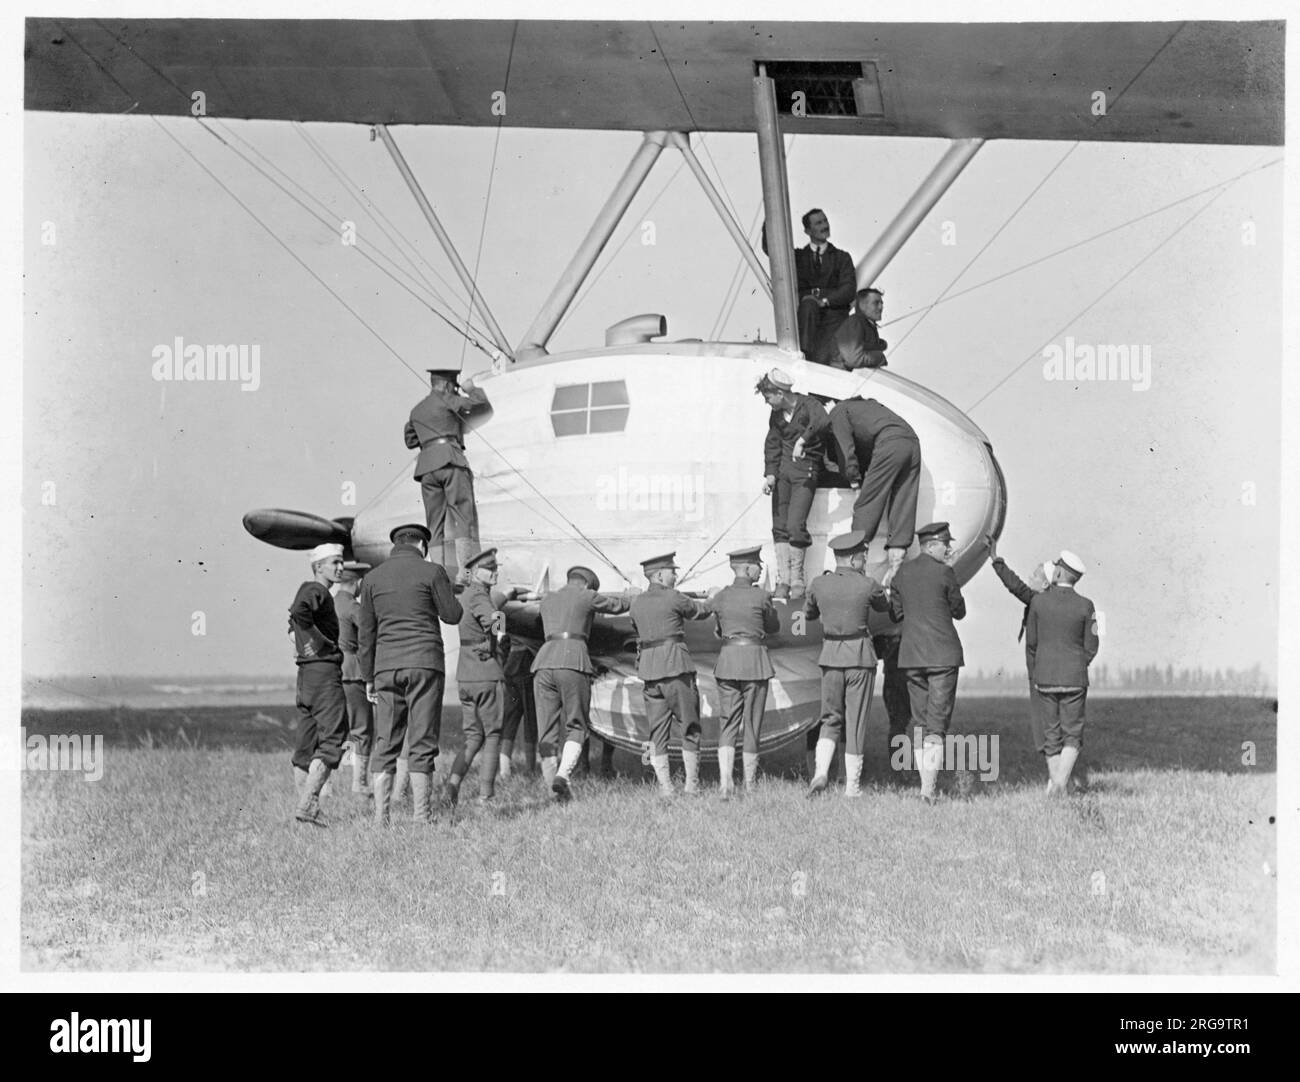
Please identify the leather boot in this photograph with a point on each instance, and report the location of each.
(726, 772)
(550, 767)
(1068, 756)
(361, 774)
(852, 775)
(1053, 773)
(691, 759)
(420, 791)
(823, 756)
(308, 809)
(462, 549)
(797, 585)
(749, 760)
(400, 780)
(487, 769)
(299, 780)
(382, 785)
(782, 589)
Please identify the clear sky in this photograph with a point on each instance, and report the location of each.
(1170, 493)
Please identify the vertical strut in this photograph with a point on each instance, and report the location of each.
(776, 205)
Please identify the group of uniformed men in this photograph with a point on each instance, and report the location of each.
(384, 648)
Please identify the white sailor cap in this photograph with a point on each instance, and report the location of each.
(325, 552)
(1070, 560)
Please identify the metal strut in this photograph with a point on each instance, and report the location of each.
(539, 334)
(443, 239)
(930, 191)
(776, 205)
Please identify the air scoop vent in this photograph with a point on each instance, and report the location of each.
(826, 88)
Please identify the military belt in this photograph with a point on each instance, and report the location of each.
(646, 644)
(566, 635)
(845, 638)
(448, 439)
(742, 640)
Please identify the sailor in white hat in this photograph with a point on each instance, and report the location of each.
(322, 709)
(1061, 635)
(792, 454)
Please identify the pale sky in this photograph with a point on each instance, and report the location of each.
(150, 480)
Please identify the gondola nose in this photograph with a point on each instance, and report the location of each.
(297, 529)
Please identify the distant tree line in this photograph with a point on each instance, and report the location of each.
(1252, 681)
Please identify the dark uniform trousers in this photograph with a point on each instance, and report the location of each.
(892, 481)
(409, 699)
(743, 703)
(1060, 717)
(563, 699)
(482, 711)
(792, 498)
(893, 690)
(322, 715)
(846, 701)
(520, 708)
(673, 696)
(361, 717)
(449, 508)
(933, 693)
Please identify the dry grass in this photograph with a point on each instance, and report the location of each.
(184, 856)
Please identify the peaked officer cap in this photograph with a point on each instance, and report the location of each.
(935, 531)
(847, 544)
(746, 556)
(424, 531)
(660, 563)
(586, 574)
(487, 558)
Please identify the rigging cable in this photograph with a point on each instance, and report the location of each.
(492, 172)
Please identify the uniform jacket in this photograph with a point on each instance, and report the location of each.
(855, 338)
(841, 600)
(808, 421)
(925, 591)
(571, 609)
(744, 609)
(658, 614)
(346, 608)
(315, 625)
(402, 601)
(1062, 633)
(857, 425)
(481, 653)
(440, 417)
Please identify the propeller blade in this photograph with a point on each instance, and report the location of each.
(295, 529)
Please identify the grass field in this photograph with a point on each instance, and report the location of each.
(184, 857)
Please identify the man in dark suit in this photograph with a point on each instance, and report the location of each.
(562, 673)
(879, 455)
(666, 669)
(403, 664)
(857, 341)
(841, 600)
(1061, 633)
(925, 591)
(825, 283)
(745, 616)
(437, 427)
(792, 453)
